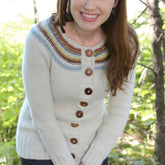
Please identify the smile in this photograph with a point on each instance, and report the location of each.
(89, 17)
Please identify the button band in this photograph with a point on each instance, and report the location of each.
(88, 71)
(74, 141)
(83, 103)
(74, 125)
(73, 155)
(88, 91)
(89, 53)
(79, 114)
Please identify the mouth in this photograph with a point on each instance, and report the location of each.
(89, 17)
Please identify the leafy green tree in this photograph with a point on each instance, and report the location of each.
(11, 88)
(136, 146)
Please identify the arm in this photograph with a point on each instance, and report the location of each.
(113, 124)
(36, 80)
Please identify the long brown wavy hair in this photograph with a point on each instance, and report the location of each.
(121, 41)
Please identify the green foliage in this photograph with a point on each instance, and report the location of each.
(136, 145)
(11, 88)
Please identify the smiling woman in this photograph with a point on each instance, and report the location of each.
(72, 61)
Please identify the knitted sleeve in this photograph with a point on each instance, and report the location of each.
(113, 124)
(36, 78)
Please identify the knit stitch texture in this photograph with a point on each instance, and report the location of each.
(54, 79)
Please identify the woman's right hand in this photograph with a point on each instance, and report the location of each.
(82, 164)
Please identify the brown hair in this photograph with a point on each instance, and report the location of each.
(121, 42)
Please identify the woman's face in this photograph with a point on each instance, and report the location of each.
(89, 15)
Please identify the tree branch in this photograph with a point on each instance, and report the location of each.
(144, 3)
(139, 16)
(146, 67)
(36, 18)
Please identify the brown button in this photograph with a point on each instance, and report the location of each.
(74, 141)
(89, 53)
(79, 114)
(88, 91)
(88, 71)
(74, 125)
(73, 155)
(83, 103)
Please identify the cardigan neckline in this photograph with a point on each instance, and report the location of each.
(68, 49)
(70, 44)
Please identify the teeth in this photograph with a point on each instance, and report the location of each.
(89, 16)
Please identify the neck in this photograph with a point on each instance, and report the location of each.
(84, 38)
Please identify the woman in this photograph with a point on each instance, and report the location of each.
(71, 62)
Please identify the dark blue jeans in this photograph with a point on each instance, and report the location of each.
(46, 162)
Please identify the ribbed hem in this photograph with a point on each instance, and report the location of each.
(25, 150)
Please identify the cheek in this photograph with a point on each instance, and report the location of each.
(107, 12)
(74, 6)
(72, 9)
(106, 8)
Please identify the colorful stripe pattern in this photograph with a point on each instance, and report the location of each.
(63, 50)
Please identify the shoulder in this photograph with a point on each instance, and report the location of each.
(132, 35)
(42, 28)
(35, 39)
(42, 32)
(133, 40)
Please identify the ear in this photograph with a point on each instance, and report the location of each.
(115, 3)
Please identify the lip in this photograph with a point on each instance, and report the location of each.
(89, 17)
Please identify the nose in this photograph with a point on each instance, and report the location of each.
(90, 4)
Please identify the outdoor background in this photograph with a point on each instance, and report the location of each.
(137, 144)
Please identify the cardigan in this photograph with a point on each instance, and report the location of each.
(64, 117)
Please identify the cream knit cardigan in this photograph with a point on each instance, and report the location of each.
(54, 81)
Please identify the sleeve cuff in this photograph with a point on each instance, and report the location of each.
(94, 157)
(64, 160)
